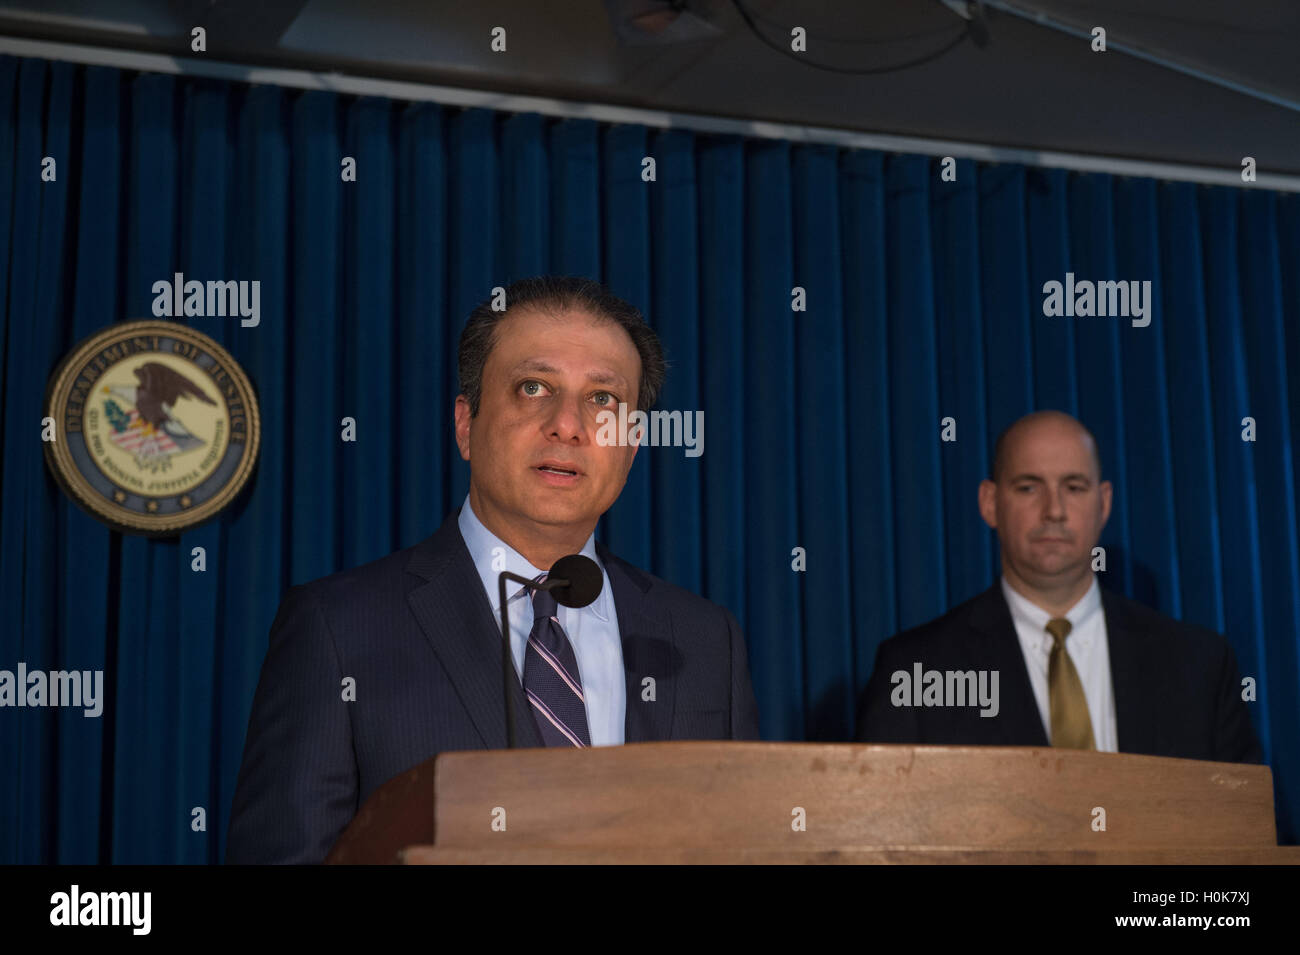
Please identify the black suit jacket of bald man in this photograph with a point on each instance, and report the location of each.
(1176, 686)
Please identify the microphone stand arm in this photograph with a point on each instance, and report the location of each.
(507, 665)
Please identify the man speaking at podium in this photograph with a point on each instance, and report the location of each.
(419, 633)
(1078, 666)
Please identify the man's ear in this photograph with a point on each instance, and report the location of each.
(462, 425)
(1106, 491)
(988, 498)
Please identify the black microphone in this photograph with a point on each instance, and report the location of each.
(574, 581)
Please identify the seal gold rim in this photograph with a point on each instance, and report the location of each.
(69, 476)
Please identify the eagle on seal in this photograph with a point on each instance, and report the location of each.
(155, 397)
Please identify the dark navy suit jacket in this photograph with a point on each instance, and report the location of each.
(1177, 690)
(416, 632)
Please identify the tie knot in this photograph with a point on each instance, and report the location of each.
(1059, 628)
(544, 604)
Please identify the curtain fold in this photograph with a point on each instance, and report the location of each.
(772, 416)
(626, 527)
(962, 386)
(722, 386)
(834, 503)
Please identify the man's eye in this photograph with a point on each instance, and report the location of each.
(532, 388)
(605, 395)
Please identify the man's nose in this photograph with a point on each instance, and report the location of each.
(1054, 505)
(565, 423)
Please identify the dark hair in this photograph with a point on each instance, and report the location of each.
(999, 448)
(553, 294)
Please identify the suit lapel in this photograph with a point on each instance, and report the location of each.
(453, 611)
(645, 632)
(1131, 673)
(1018, 722)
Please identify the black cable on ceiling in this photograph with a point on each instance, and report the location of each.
(962, 34)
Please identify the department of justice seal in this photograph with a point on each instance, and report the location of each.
(155, 427)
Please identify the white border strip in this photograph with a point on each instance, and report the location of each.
(513, 103)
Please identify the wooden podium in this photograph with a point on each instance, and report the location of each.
(730, 802)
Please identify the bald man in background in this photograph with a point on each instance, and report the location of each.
(1078, 665)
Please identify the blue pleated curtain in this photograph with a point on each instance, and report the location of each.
(822, 428)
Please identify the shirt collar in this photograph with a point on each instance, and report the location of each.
(1026, 611)
(483, 550)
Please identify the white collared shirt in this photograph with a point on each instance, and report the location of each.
(592, 630)
(1089, 650)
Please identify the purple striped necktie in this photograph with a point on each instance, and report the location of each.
(551, 680)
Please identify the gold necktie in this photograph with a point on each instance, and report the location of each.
(1071, 724)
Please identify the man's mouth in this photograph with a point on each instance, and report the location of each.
(552, 469)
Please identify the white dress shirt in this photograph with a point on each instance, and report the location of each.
(1089, 650)
(592, 630)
